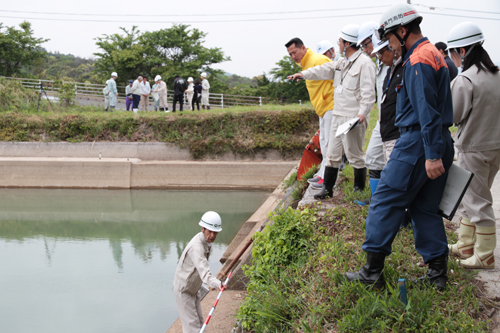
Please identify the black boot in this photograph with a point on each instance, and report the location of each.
(371, 272)
(328, 183)
(437, 273)
(359, 179)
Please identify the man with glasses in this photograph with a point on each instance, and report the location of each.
(354, 78)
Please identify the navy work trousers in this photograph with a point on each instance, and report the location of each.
(404, 184)
(136, 99)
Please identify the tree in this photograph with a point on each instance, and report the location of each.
(19, 49)
(285, 89)
(168, 52)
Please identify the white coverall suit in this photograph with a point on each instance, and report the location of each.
(112, 92)
(204, 94)
(192, 270)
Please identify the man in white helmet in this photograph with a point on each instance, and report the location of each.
(193, 270)
(415, 176)
(374, 158)
(354, 81)
(205, 92)
(320, 94)
(113, 92)
(190, 92)
(326, 48)
(161, 89)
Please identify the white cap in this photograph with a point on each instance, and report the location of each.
(349, 33)
(190, 79)
(378, 44)
(211, 221)
(465, 34)
(204, 74)
(157, 77)
(366, 30)
(114, 74)
(324, 46)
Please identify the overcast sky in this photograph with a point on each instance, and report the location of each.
(252, 33)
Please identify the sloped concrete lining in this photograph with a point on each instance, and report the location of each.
(134, 173)
(65, 172)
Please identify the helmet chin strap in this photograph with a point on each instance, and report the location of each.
(467, 53)
(402, 42)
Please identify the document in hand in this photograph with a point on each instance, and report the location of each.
(156, 96)
(456, 185)
(346, 127)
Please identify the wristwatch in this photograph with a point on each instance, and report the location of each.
(432, 159)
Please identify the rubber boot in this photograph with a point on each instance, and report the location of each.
(135, 110)
(466, 239)
(437, 273)
(371, 273)
(374, 179)
(329, 179)
(359, 179)
(203, 107)
(486, 241)
(111, 108)
(208, 107)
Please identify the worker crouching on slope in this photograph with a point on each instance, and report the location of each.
(192, 270)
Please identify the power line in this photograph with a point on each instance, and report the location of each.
(194, 15)
(474, 17)
(457, 9)
(180, 21)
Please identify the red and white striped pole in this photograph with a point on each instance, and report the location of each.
(215, 304)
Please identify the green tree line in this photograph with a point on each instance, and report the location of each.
(178, 50)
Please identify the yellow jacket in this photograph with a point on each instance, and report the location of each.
(320, 92)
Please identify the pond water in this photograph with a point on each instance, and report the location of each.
(102, 260)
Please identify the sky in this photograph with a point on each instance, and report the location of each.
(252, 33)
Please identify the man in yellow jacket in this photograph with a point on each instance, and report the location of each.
(320, 93)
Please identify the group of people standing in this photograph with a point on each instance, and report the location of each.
(411, 149)
(137, 93)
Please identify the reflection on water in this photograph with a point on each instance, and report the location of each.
(102, 260)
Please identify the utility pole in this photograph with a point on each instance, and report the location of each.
(409, 2)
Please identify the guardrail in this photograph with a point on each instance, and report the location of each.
(83, 90)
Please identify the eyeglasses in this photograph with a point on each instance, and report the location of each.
(366, 44)
(381, 52)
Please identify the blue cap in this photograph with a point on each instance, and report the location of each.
(130, 81)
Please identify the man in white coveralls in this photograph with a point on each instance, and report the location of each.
(192, 270)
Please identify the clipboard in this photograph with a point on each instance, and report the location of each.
(347, 126)
(456, 185)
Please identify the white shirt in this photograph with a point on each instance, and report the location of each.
(146, 88)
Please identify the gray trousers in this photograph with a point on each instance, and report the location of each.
(350, 143)
(189, 311)
(477, 201)
(374, 158)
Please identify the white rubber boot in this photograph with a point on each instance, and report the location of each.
(466, 239)
(135, 110)
(486, 242)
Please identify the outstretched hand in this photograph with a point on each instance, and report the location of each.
(295, 76)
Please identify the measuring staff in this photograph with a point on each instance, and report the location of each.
(192, 270)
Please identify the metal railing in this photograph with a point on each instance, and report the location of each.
(84, 90)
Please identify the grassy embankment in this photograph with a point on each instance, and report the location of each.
(241, 130)
(297, 284)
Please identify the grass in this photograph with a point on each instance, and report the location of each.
(297, 284)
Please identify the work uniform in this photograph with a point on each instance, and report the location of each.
(112, 92)
(354, 79)
(206, 91)
(180, 86)
(105, 92)
(128, 96)
(321, 96)
(162, 93)
(146, 90)
(423, 114)
(192, 270)
(476, 111)
(389, 133)
(190, 93)
(374, 158)
(136, 92)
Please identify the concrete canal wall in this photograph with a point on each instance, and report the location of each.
(133, 165)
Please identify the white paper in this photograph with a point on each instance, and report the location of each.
(346, 127)
(156, 96)
(456, 185)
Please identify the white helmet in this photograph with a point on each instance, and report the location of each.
(211, 221)
(349, 33)
(324, 46)
(204, 74)
(396, 16)
(157, 78)
(366, 30)
(114, 74)
(464, 34)
(378, 44)
(190, 79)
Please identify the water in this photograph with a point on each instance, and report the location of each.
(102, 260)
